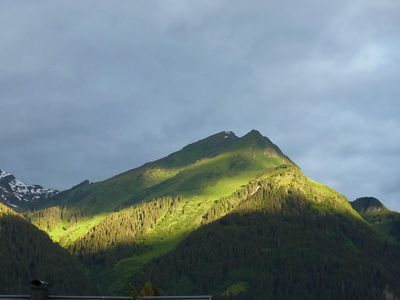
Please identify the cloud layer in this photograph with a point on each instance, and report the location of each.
(93, 88)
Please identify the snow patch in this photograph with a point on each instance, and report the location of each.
(4, 174)
(228, 134)
(14, 190)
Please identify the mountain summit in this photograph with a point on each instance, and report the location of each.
(368, 205)
(17, 194)
(374, 212)
(219, 143)
(212, 167)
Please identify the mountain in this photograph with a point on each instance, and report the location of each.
(27, 253)
(19, 195)
(374, 212)
(227, 215)
(200, 173)
(369, 206)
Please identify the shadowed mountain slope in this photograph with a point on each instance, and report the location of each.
(27, 253)
(375, 213)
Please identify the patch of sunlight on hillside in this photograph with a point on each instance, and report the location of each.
(67, 235)
(235, 289)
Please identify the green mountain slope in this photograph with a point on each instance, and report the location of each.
(87, 218)
(154, 220)
(27, 253)
(203, 171)
(375, 213)
(289, 238)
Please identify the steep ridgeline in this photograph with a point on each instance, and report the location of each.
(27, 253)
(375, 213)
(19, 195)
(227, 215)
(283, 236)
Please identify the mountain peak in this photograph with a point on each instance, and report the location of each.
(4, 174)
(256, 140)
(368, 205)
(222, 134)
(254, 132)
(208, 147)
(255, 136)
(15, 193)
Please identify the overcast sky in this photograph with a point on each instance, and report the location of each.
(89, 89)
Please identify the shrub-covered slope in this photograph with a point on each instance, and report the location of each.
(27, 253)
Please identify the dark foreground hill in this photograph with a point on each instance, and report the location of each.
(27, 253)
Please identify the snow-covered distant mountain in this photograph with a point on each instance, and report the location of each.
(17, 194)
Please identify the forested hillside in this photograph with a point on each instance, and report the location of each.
(27, 253)
(290, 239)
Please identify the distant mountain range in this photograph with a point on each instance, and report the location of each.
(229, 216)
(17, 194)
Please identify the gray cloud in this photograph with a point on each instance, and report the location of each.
(94, 88)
